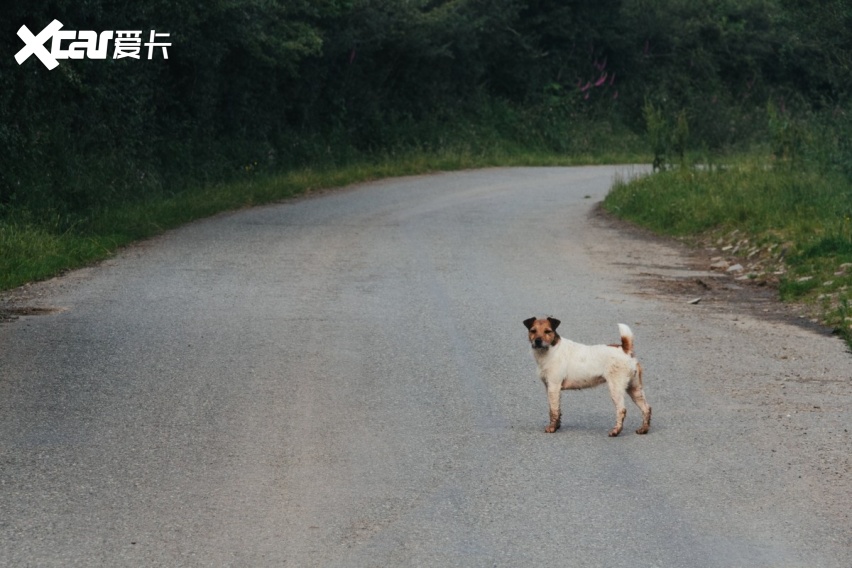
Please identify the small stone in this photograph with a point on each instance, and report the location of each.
(735, 268)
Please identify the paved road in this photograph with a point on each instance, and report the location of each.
(343, 380)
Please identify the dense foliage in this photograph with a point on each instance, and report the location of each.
(271, 84)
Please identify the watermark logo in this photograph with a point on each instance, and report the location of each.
(87, 44)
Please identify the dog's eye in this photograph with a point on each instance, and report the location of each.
(548, 331)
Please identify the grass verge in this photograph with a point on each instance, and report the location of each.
(789, 226)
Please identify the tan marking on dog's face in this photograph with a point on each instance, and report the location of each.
(542, 333)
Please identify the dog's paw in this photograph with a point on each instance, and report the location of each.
(551, 428)
(614, 432)
(643, 430)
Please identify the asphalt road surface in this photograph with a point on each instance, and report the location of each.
(344, 380)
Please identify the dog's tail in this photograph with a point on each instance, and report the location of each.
(626, 338)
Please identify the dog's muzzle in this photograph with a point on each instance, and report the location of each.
(539, 344)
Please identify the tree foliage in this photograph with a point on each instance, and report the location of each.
(283, 82)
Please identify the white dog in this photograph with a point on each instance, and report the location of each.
(566, 365)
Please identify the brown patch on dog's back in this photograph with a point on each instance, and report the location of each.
(626, 345)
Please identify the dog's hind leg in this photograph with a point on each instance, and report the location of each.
(634, 389)
(620, 411)
(554, 396)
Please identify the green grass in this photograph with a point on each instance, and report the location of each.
(780, 218)
(39, 246)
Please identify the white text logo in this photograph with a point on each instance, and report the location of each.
(86, 44)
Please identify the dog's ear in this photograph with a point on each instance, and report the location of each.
(529, 322)
(554, 323)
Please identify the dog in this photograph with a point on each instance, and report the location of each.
(567, 365)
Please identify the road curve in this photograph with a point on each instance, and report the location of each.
(343, 380)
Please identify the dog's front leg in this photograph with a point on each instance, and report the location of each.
(554, 394)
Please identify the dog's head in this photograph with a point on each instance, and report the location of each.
(542, 332)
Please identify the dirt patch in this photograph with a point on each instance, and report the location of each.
(696, 276)
(28, 300)
(11, 313)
